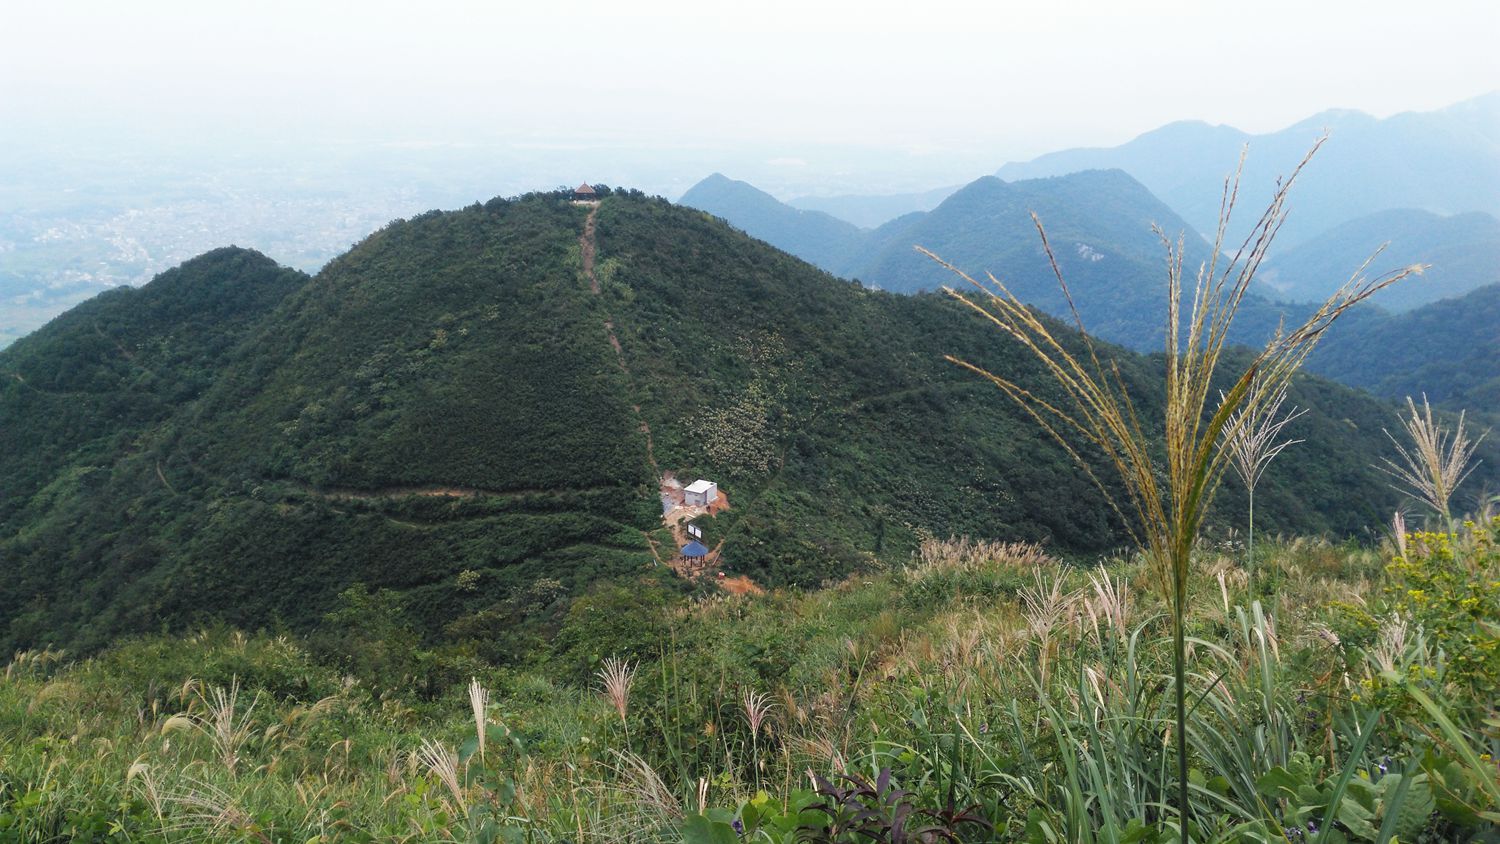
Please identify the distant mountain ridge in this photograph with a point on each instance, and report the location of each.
(873, 210)
(1462, 253)
(1445, 161)
(1099, 225)
(814, 236)
(1102, 225)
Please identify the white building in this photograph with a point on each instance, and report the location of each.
(700, 493)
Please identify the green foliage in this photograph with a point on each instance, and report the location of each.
(368, 637)
(440, 413)
(1365, 808)
(1449, 586)
(627, 620)
(1445, 350)
(937, 710)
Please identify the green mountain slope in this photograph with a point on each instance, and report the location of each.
(814, 236)
(472, 407)
(1462, 253)
(1099, 224)
(84, 387)
(1448, 350)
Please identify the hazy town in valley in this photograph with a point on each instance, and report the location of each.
(795, 423)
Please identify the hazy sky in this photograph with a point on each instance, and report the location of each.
(992, 81)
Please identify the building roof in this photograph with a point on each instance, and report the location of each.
(699, 485)
(695, 549)
(584, 188)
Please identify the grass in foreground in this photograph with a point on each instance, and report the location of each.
(983, 692)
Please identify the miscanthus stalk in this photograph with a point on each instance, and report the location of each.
(616, 676)
(1167, 498)
(757, 706)
(1254, 441)
(479, 701)
(1437, 462)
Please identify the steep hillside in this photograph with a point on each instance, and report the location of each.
(80, 390)
(438, 399)
(1445, 161)
(1087, 215)
(1462, 251)
(1449, 350)
(813, 236)
(474, 407)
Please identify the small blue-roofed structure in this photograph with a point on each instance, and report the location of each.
(695, 550)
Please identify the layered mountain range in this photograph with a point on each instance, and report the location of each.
(1445, 162)
(1381, 195)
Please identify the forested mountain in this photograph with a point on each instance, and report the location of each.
(813, 236)
(1099, 222)
(1462, 253)
(1449, 350)
(79, 393)
(475, 406)
(1445, 161)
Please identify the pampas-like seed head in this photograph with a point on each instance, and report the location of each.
(1166, 503)
(442, 763)
(1437, 462)
(479, 700)
(616, 676)
(757, 707)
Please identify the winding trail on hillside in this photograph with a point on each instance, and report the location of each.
(392, 493)
(587, 249)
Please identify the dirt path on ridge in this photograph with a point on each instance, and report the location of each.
(391, 493)
(587, 249)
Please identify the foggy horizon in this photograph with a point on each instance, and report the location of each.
(133, 137)
(948, 94)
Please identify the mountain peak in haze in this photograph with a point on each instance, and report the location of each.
(1461, 253)
(1445, 161)
(1100, 222)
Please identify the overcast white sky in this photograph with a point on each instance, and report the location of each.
(1001, 80)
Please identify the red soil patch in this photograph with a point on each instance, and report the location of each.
(740, 585)
(718, 505)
